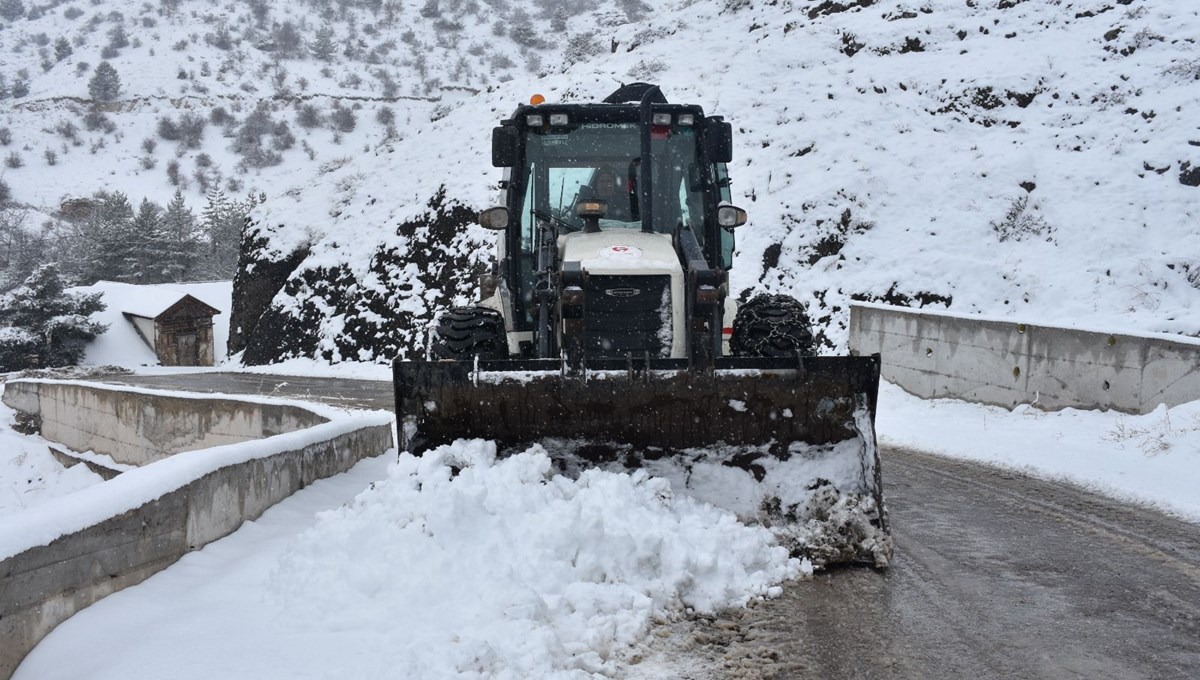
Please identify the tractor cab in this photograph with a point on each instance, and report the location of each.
(633, 193)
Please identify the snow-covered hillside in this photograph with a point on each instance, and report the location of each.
(1035, 158)
(246, 96)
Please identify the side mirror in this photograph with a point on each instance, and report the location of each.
(718, 142)
(504, 147)
(494, 218)
(729, 216)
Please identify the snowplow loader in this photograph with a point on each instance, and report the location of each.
(607, 334)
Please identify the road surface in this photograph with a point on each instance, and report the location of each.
(996, 575)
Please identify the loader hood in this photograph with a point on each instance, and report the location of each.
(621, 251)
(627, 263)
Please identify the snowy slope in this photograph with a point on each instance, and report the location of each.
(1028, 159)
(193, 57)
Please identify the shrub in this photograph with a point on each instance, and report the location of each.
(282, 138)
(1021, 222)
(219, 116)
(343, 119)
(308, 117)
(14, 160)
(95, 120)
(67, 130)
(191, 130)
(168, 129)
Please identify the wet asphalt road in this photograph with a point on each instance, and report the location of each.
(995, 575)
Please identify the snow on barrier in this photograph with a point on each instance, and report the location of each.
(1006, 363)
(209, 463)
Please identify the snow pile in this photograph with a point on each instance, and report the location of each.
(29, 475)
(504, 570)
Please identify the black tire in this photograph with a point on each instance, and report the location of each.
(466, 332)
(772, 326)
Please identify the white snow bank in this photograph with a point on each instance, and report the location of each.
(511, 572)
(1152, 459)
(29, 475)
(502, 571)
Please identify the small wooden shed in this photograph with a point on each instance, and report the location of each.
(177, 326)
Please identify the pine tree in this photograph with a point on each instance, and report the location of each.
(181, 249)
(105, 84)
(521, 29)
(100, 242)
(323, 47)
(218, 223)
(42, 325)
(62, 49)
(144, 254)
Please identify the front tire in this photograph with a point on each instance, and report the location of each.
(464, 333)
(772, 326)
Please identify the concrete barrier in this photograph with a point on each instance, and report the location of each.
(1009, 362)
(61, 557)
(137, 428)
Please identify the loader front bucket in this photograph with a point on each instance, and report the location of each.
(787, 442)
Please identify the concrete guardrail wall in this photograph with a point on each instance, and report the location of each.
(1005, 363)
(59, 558)
(137, 428)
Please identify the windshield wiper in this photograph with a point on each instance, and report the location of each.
(548, 217)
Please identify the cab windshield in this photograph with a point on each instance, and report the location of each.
(602, 161)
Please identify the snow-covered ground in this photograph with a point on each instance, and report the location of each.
(501, 571)
(407, 569)
(29, 475)
(1021, 162)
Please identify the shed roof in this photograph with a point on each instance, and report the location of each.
(156, 303)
